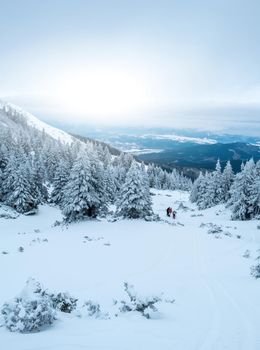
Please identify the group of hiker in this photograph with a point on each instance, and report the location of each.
(170, 211)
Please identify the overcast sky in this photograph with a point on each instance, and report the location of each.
(184, 63)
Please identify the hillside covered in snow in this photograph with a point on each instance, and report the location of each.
(12, 116)
(201, 262)
(89, 257)
(40, 164)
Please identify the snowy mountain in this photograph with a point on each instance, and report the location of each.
(13, 116)
(39, 164)
(129, 258)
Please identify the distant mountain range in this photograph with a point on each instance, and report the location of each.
(187, 150)
(193, 157)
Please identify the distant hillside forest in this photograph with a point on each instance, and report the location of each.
(192, 158)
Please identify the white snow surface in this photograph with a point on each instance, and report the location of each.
(31, 120)
(182, 139)
(217, 301)
(137, 151)
(257, 144)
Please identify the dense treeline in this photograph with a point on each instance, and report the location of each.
(240, 192)
(82, 178)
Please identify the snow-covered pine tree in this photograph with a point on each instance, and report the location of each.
(216, 193)
(110, 184)
(151, 175)
(80, 198)
(60, 180)
(52, 154)
(174, 180)
(160, 179)
(227, 180)
(145, 181)
(3, 156)
(39, 190)
(98, 177)
(1, 184)
(207, 190)
(8, 176)
(134, 198)
(105, 156)
(186, 183)
(20, 195)
(254, 193)
(240, 201)
(178, 181)
(204, 200)
(195, 190)
(168, 181)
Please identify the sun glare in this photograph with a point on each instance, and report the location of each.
(101, 92)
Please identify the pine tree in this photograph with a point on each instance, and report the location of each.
(8, 176)
(254, 193)
(195, 191)
(20, 197)
(98, 177)
(207, 190)
(216, 186)
(80, 198)
(134, 199)
(60, 181)
(227, 180)
(110, 184)
(39, 190)
(151, 175)
(240, 201)
(1, 185)
(3, 156)
(204, 200)
(106, 157)
(160, 179)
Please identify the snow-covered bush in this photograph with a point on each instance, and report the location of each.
(35, 308)
(30, 311)
(93, 309)
(152, 217)
(144, 305)
(6, 212)
(246, 254)
(214, 229)
(63, 302)
(183, 207)
(255, 271)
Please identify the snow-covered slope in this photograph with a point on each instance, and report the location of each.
(216, 300)
(9, 109)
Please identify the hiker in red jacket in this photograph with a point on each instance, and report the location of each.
(169, 211)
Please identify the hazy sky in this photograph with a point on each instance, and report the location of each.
(185, 63)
